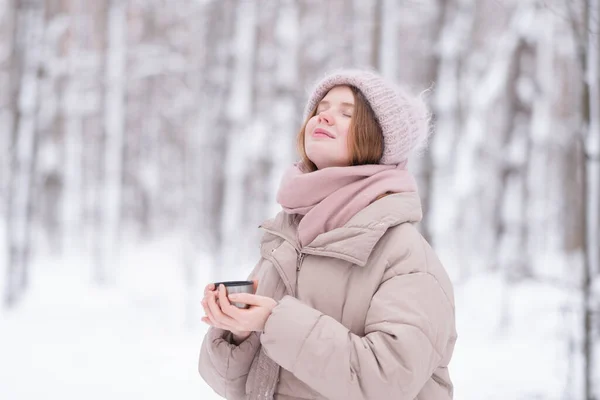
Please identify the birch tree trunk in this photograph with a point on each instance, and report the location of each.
(584, 20)
(449, 105)
(593, 76)
(290, 94)
(241, 138)
(114, 123)
(376, 35)
(591, 182)
(215, 126)
(27, 39)
(432, 74)
(6, 22)
(196, 266)
(71, 110)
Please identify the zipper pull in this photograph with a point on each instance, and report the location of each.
(300, 259)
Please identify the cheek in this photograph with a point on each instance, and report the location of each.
(344, 128)
(310, 126)
(344, 132)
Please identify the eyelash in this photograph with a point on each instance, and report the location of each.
(344, 114)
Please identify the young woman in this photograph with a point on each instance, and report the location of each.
(350, 300)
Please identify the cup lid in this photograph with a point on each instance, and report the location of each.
(234, 283)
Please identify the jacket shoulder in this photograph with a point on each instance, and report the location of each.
(409, 252)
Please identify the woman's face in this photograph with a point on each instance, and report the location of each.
(326, 134)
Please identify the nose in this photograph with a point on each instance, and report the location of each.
(325, 117)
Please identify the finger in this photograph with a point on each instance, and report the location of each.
(227, 308)
(212, 319)
(208, 295)
(247, 298)
(209, 316)
(205, 306)
(218, 314)
(207, 321)
(210, 287)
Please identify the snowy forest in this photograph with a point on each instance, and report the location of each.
(142, 143)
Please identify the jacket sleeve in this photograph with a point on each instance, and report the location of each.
(225, 366)
(408, 325)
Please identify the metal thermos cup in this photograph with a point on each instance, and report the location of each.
(237, 287)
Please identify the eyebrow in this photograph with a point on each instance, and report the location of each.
(325, 102)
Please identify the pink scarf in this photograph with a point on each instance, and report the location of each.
(329, 197)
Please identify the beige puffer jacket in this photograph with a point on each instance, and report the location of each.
(366, 312)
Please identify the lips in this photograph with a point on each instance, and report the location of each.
(320, 132)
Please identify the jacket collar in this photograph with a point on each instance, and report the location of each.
(355, 241)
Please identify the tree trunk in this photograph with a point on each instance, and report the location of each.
(256, 185)
(5, 99)
(114, 123)
(215, 126)
(16, 72)
(591, 185)
(586, 291)
(587, 57)
(431, 77)
(237, 162)
(194, 273)
(28, 31)
(376, 35)
(72, 110)
(593, 139)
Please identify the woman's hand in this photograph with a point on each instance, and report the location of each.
(215, 317)
(250, 319)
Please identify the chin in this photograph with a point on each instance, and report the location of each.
(320, 159)
(326, 164)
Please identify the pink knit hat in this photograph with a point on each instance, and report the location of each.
(404, 119)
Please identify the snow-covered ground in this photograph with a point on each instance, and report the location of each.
(70, 339)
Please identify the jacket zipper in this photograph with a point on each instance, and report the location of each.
(298, 266)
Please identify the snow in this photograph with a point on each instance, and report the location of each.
(523, 358)
(73, 339)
